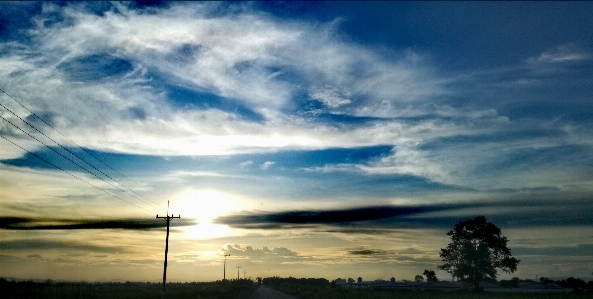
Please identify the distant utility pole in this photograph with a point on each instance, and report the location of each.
(244, 274)
(224, 266)
(168, 219)
(238, 267)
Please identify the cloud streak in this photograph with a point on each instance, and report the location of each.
(440, 216)
(18, 223)
(31, 244)
(329, 217)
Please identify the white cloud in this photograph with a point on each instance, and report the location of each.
(245, 164)
(561, 54)
(331, 97)
(266, 165)
(407, 159)
(239, 56)
(264, 253)
(244, 56)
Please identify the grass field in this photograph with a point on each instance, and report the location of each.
(67, 290)
(318, 292)
(233, 290)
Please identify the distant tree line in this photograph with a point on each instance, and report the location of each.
(295, 281)
(577, 284)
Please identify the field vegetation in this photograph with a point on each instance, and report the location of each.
(303, 290)
(316, 292)
(236, 289)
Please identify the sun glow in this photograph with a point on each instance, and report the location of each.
(204, 207)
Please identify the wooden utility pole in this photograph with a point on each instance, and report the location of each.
(168, 219)
(238, 267)
(224, 266)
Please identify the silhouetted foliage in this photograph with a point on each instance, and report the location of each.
(476, 250)
(545, 280)
(430, 275)
(297, 281)
(513, 283)
(578, 285)
(419, 278)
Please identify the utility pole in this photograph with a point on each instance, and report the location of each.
(224, 266)
(238, 267)
(168, 219)
(244, 274)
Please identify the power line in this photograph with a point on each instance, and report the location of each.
(44, 160)
(72, 153)
(57, 152)
(80, 147)
(68, 152)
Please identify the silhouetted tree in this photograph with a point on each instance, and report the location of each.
(430, 275)
(350, 280)
(476, 250)
(575, 283)
(418, 278)
(513, 283)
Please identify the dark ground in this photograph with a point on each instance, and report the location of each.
(268, 293)
(321, 292)
(242, 289)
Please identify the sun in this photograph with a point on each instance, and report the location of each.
(204, 206)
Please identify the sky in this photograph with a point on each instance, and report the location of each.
(308, 139)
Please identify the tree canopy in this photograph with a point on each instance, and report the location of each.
(476, 250)
(430, 275)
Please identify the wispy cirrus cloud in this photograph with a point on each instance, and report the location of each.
(267, 165)
(561, 54)
(250, 58)
(245, 57)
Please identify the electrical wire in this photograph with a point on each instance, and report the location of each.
(44, 160)
(68, 152)
(80, 147)
(72, 153)
(49, 147)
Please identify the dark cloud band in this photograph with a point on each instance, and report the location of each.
(24, 245)
(384, 218)
(17, 223)
(332, 217)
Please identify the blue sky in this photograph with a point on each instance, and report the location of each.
(298, 134)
